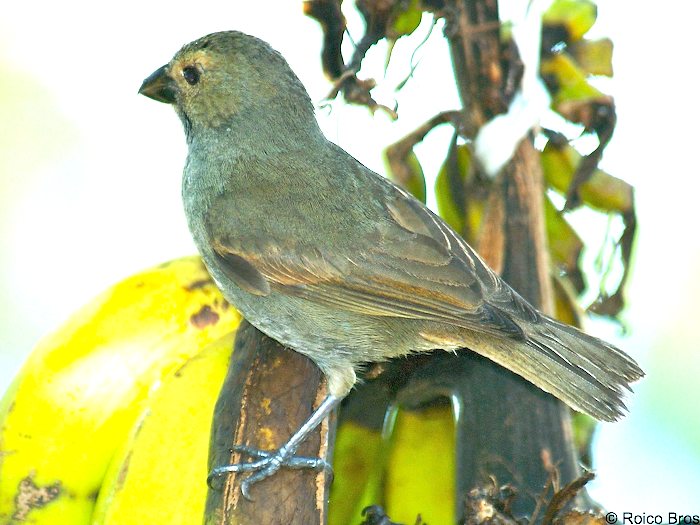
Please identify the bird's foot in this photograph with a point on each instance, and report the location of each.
(265, 464)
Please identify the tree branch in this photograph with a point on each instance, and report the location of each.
(268, 393)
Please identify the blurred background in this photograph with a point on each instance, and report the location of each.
(90, 184)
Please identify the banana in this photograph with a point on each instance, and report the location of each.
(82, 388)
(409, 471)
(358, 465)
(108, 422)
(159, 475)
(421, 474)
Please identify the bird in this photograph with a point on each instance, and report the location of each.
(335, 261)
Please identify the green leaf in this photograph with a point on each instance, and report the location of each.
(405, 169)
(608, 193)
(566, 309)
(576, 16)
(584, 427)
(565, 245)
(593, 56)
(558, 165)
(405, 19)
(567, 81)
(450, 187)
(602, 191)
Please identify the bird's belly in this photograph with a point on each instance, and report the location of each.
(333, 338)
(330, 338)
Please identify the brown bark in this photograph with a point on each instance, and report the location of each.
(268, 393)
(511, 430)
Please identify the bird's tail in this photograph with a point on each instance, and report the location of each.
(585, 372)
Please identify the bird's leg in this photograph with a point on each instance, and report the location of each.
(266, 463)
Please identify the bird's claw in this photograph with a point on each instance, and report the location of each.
(265, 464)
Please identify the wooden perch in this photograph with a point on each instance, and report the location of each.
(268, 393)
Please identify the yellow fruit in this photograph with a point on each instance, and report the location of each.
(410, 471)
(80, 391)
(108, 423)
(159, 476)
(421, 471)
(358, 465)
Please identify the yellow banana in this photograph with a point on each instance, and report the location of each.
(119, 401)
(421, 473)
(80, 391)
(409, 472)
(358, 466)
(159, 475)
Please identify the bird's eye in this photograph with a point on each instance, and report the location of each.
(191, 74)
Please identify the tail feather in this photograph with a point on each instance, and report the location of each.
(585, 372)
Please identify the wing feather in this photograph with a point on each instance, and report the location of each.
(412, 266)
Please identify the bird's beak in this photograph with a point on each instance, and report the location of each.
(159, 86)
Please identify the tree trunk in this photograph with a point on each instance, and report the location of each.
(510, 429)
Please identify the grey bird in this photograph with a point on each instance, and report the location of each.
(331, 259)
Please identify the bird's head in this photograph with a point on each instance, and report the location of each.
(224, 76)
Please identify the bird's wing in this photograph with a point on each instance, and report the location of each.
(412, 266)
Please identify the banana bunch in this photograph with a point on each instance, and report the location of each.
(108, 422)
(399, 469)
(75, 423)
(158, 474)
